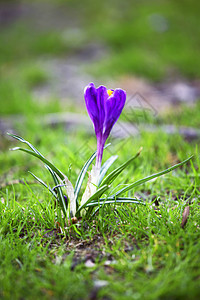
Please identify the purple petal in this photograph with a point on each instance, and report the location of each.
(113, 109)
(104, 111)
(90, 94)
(102, 96)
(91, 100)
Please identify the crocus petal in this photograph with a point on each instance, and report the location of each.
(91, 101)
(113, 109)
(104, 108)
(102, 96)
(90, 95)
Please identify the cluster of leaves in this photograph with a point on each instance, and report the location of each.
(103, 194)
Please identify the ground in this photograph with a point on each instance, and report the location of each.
(134, 251)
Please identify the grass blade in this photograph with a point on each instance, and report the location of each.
(148, 178)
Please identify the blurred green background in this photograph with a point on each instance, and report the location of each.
(158, 40)
(49, 51)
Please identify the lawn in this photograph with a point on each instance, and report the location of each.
(135, 252)
(129, 251)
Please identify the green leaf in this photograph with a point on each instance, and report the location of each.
(81, 176)
(96, 195)
(113, 201)
(109, 200)
(19, 138)
(70, 195)
(122, 198)
(44, 184)
(51, 168)
(60, 195)
(36, 153)
(148, 178)
(113, 175)
(44, 160)
(106, 166)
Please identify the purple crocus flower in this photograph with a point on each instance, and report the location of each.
(104, 108)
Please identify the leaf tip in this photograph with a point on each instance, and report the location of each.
(140, 150)
(13, 149)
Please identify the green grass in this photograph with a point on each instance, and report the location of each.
(34, 75)
(17, 86)
(140, 252)
(154, 39)
(184, 115)
(29, 43)
(28, 268)
(127, 31)
(180, 115)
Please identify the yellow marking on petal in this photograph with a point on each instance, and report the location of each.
(109, 92)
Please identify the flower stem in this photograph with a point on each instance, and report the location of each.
(100, 146)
